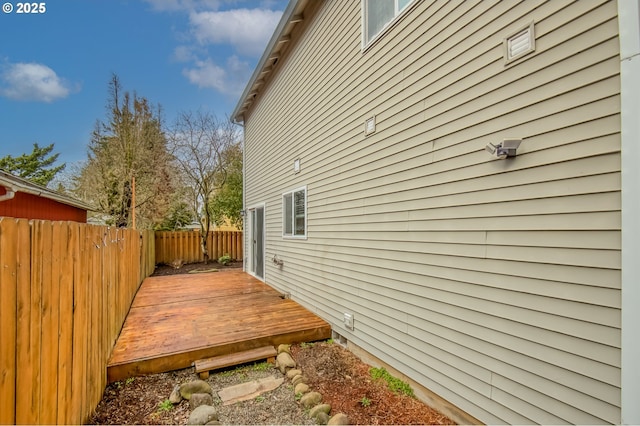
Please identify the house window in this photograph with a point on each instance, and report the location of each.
(294, 213)
(378, 14)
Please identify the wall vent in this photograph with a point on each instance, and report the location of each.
(338, 338)
(370, 125)
(348, 320)
(519, 43)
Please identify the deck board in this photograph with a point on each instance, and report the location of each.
(177, 319)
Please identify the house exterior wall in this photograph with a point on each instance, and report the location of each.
(28, 206)
(493, 283)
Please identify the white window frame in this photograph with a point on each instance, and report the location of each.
(293, 234)
(368, 41)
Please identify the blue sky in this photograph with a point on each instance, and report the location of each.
(182, 54)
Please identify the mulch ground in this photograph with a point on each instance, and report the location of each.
(346, 384)
(191, 268)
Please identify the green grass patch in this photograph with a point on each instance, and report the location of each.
(395, 384)
(165, 405)
(262, 366)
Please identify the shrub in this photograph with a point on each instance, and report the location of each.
(165, 405)
(395, 384)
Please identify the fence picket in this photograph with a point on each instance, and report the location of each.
(8, 297)
(49, 330)
(68, 242)
(172, 246)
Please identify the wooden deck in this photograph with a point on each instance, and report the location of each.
(177, 319)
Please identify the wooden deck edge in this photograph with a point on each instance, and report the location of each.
(177, 361)
(235, 358)
(203, 366)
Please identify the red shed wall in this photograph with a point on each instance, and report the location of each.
(29, 206)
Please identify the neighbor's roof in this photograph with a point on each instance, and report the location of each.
(18, 184)
(282, 35)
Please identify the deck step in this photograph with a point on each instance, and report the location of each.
(203, 366)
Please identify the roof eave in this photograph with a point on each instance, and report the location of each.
(279, 36)
(27, 187)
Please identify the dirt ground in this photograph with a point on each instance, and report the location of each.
(194, 268)
(343, 379)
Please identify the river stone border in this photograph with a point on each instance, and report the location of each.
(308, 398)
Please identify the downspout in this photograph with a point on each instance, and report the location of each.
(629, 30)
(10, 193)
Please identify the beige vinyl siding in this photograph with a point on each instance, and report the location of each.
(494, 283)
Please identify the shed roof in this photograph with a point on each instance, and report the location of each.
(291, 16)
(18, 184)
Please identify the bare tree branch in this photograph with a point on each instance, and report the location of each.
(198, 140)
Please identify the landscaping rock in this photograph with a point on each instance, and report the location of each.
(321, 418)
(293, 373)
(298, 379)
(301, 388)
(284, 361)
(248, 390)
(339, 419)
(203, 415)
(198, 399)
(196, 386)
(311, 399)
(320, 408)
(175, 396)
(284, 348)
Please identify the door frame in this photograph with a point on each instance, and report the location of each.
(251, 236)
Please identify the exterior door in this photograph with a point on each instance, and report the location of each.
(257, 242)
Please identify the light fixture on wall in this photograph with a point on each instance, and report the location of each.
(296, 165)
(507, 148)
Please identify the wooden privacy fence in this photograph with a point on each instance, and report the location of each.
(65, 290)
(185, 246)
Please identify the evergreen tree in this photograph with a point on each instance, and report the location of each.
(36, 167)
(129, 145)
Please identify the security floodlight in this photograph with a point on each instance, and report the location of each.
(491, 148)
(507, 148)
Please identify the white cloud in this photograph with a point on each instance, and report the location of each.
(206, 74)
(212, 33)
(32, 82)
(247, 30)
(165, 5)
(183, 54)
(180, 5)
(229, 79)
